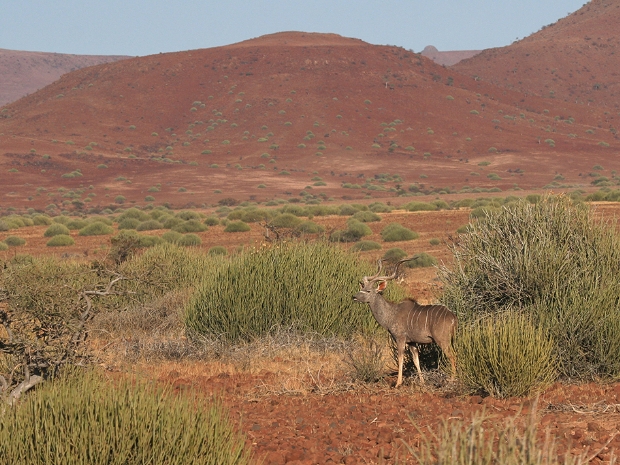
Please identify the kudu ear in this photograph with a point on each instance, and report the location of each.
(381, 286)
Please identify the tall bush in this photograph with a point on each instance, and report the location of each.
(553, 261)
(305, 285)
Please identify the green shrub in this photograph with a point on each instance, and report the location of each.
(394, 254)
(42, 220)
(237, 226)
(60, 240)
(61, 219)
(145, 240)
(133, 213)
(128, 223)
(212, 221)
(172, 237)
(379, 207)
(420, 206)
(421, 260)
(218, 250)
(354, 232)
(84, 418)
(170, 222)
(188, 215)
(77, 224)
(286, 220)
(505, 355)
(348, 210)
(363, 246)
(190, 226)
(190, 240)
(3, 247)
(291, 281)
(366, 216)
(96, 229)
(56, 229)
(310, 227)
(394, 232)
(434, 241)
(554, 262)
(14, 241)
(149, 225)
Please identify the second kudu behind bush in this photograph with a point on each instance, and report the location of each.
(408, 322)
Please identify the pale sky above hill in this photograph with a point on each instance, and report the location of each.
(145, 27)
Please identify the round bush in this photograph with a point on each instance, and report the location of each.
(3, 247)
(394, 232)
(14, 241)
(348, 210)
(56, 229)
(128, 223)
(188, 215)
(172, 236)
(366, 216)
(218, 250)
(363, 246)
(133, 213)
(190, 226)
(60, 240)
(286, 220)
(212, 221)
(420, 206)
(291, 280)
(76, 224)
(42, 220)
(190, 240)
(394, 254)
(96, 229)
(237, 226)
(421, 260)
(145, 240)
(170, 222)
(149, 225)
(310, 227)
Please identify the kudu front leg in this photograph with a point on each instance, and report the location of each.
(401, 358)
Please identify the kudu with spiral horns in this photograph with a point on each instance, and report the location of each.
(408, 322)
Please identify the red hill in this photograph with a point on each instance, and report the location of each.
(310, 105)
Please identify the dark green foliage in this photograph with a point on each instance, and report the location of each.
(56, 229)
(363, 246)
(421, 260)
(307, 285)
(84, 418)
(354, 232)
(170, 222)
(190, 226)
(394, 254)
(394, 232)
(434, 241)
(14, 241)
(218, 250)
(237, 226)
(188, 215)
(189, 240)
(212, 221)
(60, 240)
(96, 229)
(149, 225)
(554, 262)
(348, 210)
(366, 216)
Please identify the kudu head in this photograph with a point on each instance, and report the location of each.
(371, 286)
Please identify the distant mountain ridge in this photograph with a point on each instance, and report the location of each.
(22, 72)
(447, 58)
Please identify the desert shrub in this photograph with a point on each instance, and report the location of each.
(14, 241)
(420, 206)
(60, 240)
(366, 216)
(211, 221)
(394, 254)
(188, 215)
(421, 260)
(347, 210)
(291, 280)
(96, 229)
(42, 220)
(363, 246)
(296, 210)
(145, 240)
(505, 355)
(394, 232)
(554, 262)
(170, 222)
(3, 247)
(286, 220)
(434, 241)
(133, 213)
(354, 232)
(379, 207)
(101, 219)
(310, 227)
(149, 225)
(190, 226)
(366, 361)
(4, 226)
(464, 203)
(56, 229)
(218, 250)
(189, 240)
(237, 226)
(172, 237)
(137, 422)
(61, 219)
(77, 224)
(128, 223)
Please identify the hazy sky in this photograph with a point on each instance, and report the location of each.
(144, 27)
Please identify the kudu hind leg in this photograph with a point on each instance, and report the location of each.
(415, 354)
(400, 345)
